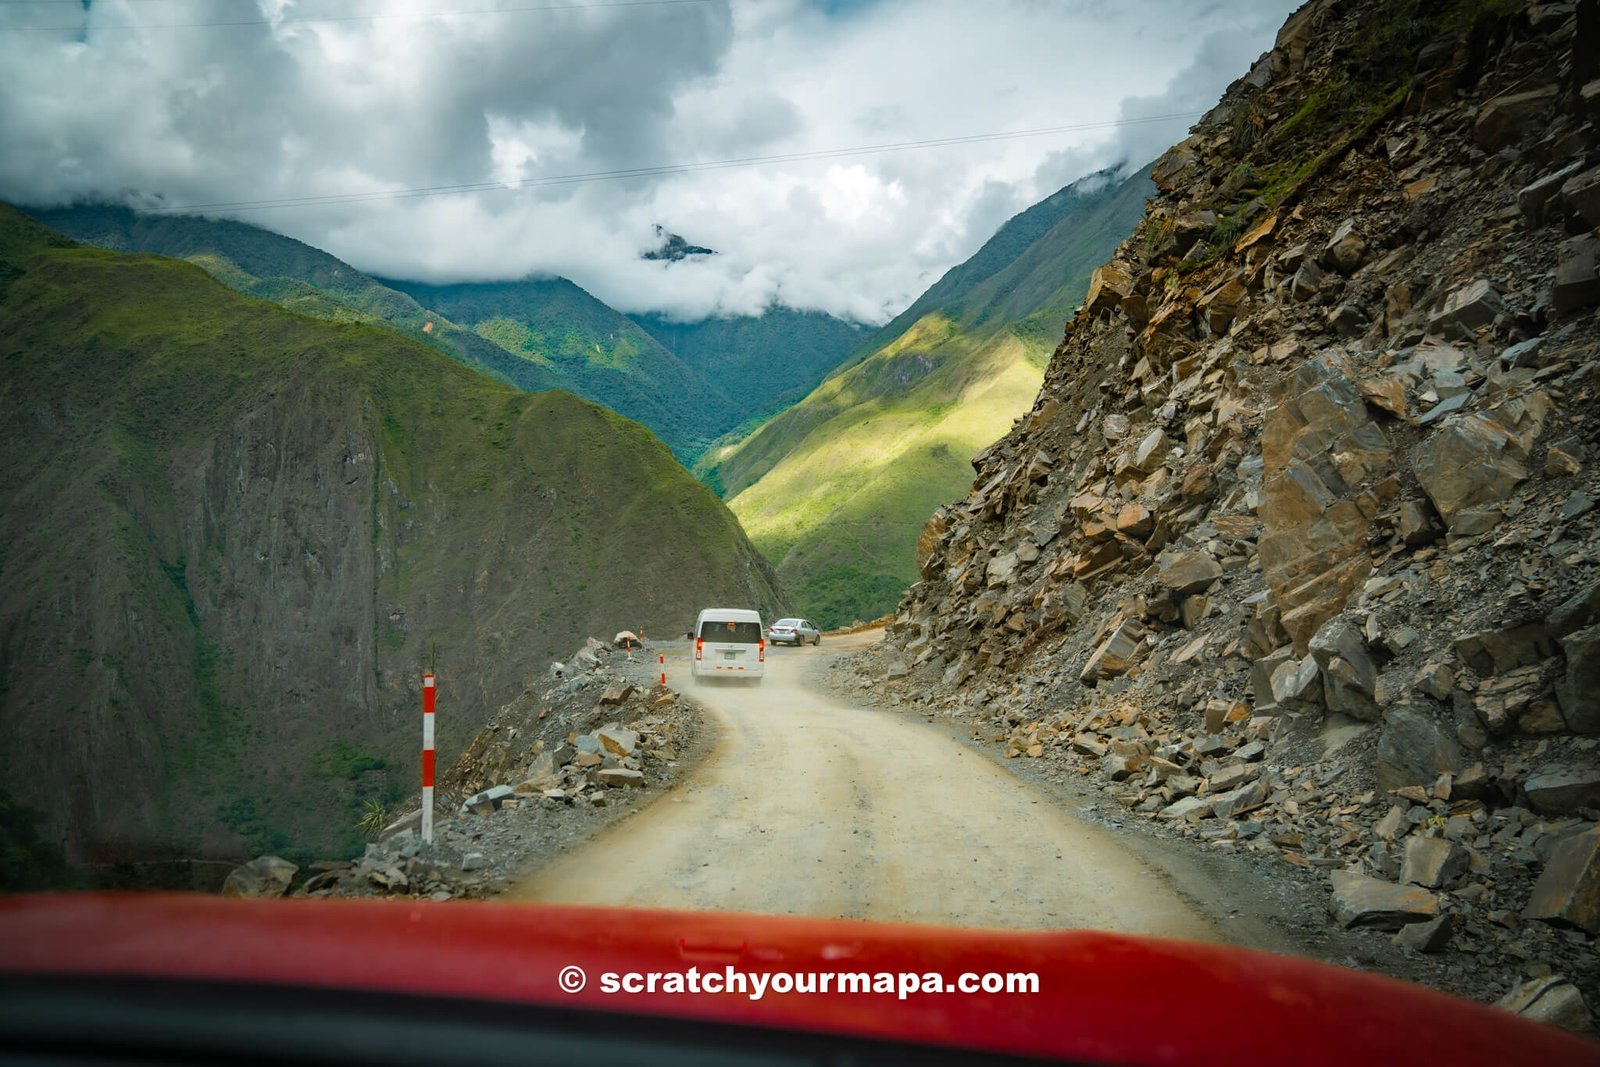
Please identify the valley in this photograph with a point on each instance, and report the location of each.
(1228, 520)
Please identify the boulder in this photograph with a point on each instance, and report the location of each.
(1564, 790)
(1432, 862)
(1472, 306)
(1578, 689)
(1236, 802)
(1109, 285)
(1552, 1000)
(488, 801)
(1116, 654)
(1417, 527)
(1505, 648)
(1432, 936)
(1435, 679)
(263, 877)
(1296, 684)
(541, 776)
(618, 740)
(1189, 808)
(1307, 281)
(1414, 747)
(1568, 890)
(1345, 251)
(1581, 194)
(1467, 464)
(616, 694)
(620, 776)
(1188, 571)
(1222, 304)
(1318, 444)
(1576, 612)
(1261, 675)
(1577, 283)
(1534, 199)
(1508, 118)
(1349, 676)
(1169, 170)
(1519, 698)
(411, 821)
(1360, 900)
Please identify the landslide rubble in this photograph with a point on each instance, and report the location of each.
(1296, 553)
(563, 760)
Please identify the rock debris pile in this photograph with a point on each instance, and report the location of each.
(551, 767)
(1296, 552)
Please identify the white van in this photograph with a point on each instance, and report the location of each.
(728, 643)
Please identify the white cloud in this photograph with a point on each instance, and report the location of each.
(293, 108)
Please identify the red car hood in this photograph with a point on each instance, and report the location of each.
(1102, 998)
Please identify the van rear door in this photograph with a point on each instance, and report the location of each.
(730, 646)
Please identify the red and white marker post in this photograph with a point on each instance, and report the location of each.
(663, 670)
(427, 758)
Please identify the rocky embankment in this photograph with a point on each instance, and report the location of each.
(1296, 553)
(568, 757)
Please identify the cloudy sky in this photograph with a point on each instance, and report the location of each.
(451, 140)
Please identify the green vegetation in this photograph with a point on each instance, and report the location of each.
(234, 534)
(374, 817)
(1277, 159)
(29, 863)
(692, 383)
(287, 272)
(837, 489)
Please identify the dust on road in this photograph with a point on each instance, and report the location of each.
(811, 807)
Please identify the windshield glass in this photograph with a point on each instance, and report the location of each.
(735, 632)
(1181, 420)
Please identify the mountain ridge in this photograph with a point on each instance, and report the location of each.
(238, 533)
(837, 488)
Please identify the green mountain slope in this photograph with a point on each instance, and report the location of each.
(272, 267)
(836, 489)
(760, 363)
(554, 324)
(534, 334)
(691, 383)
(232, 535)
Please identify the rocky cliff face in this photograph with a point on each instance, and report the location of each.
(234, 536)
(1296, 550)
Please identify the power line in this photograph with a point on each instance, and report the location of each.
(312, 19)
(659, 169)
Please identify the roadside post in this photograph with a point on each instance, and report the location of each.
(663, 670)
(427, 757)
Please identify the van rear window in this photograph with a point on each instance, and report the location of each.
(742, 633)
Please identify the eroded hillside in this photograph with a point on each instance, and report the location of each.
(1296, 553)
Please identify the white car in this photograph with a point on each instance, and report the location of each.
(795, 632)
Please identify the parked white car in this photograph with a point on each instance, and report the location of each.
(795, 632)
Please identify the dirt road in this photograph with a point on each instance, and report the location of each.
(810, 807)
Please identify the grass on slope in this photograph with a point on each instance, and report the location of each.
(290, 273)
(836, 489)
(842, 541)
(692, 383)
(198, 618)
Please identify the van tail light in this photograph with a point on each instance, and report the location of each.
(697, 643)
(761, 651)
